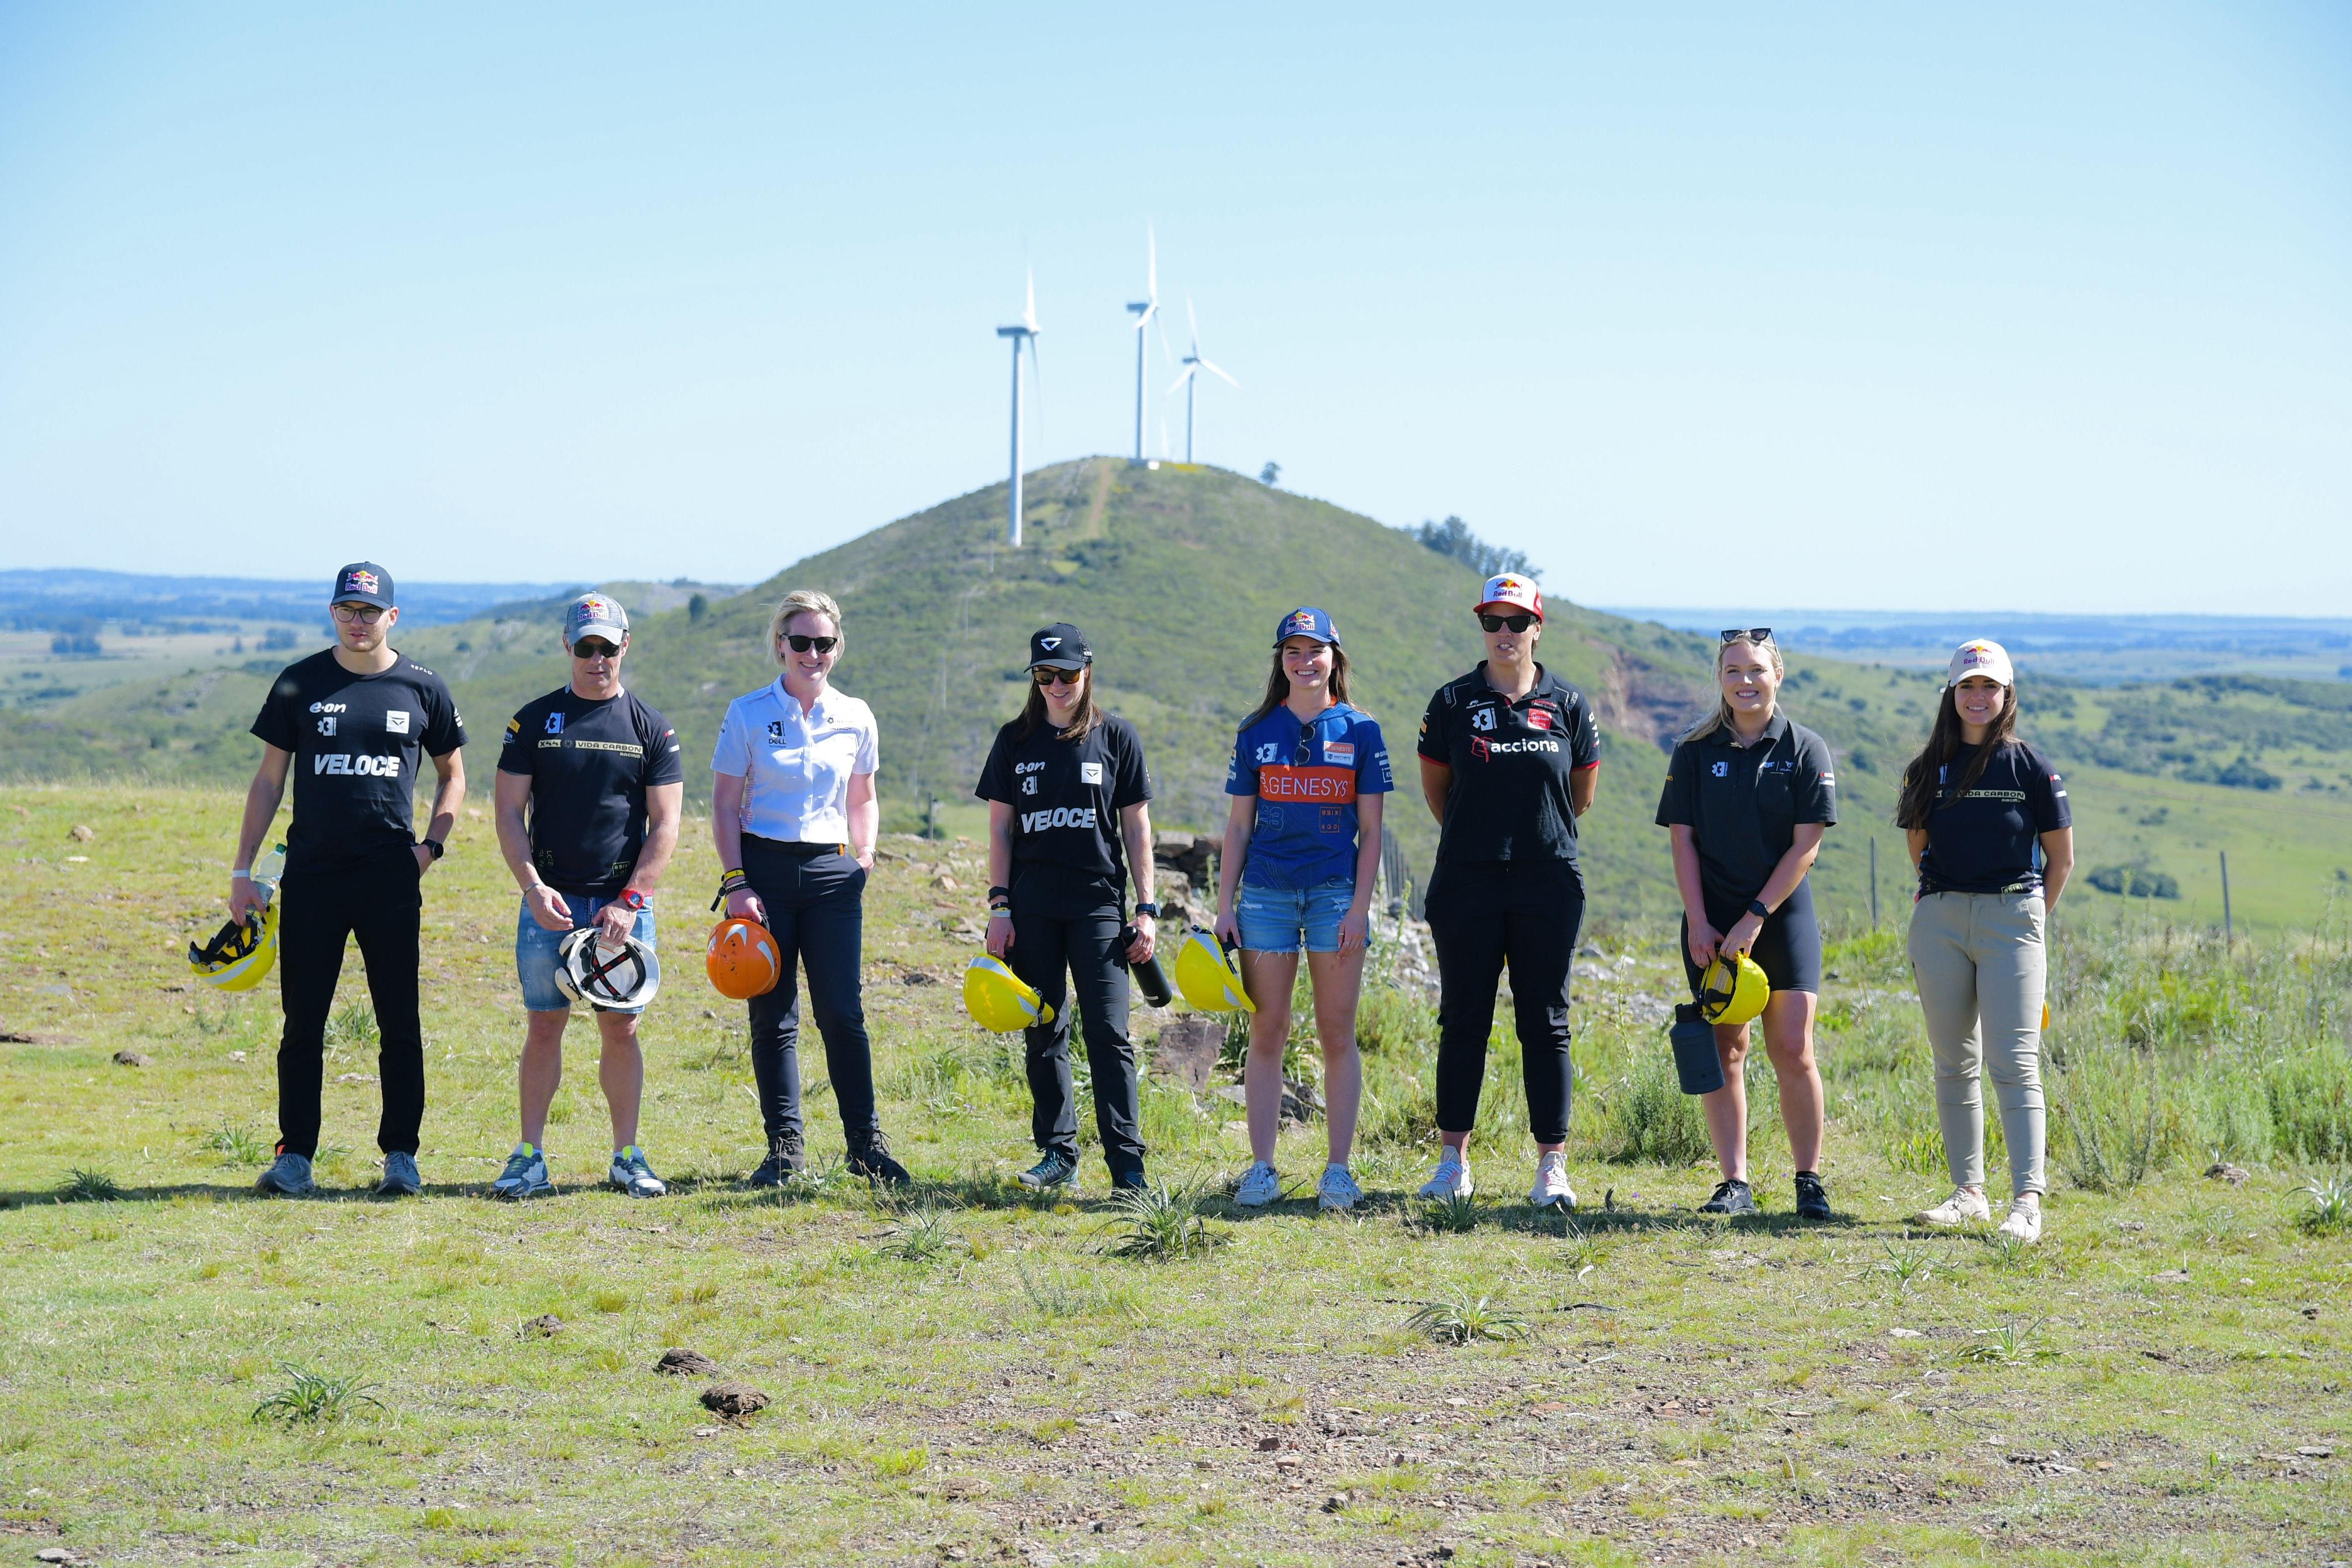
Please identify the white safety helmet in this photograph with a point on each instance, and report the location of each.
(589, 970)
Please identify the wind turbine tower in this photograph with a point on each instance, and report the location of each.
(1191, 380)
(1025, 332)
(1144, 309)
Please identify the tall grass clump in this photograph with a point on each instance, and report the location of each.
(1647, 1118)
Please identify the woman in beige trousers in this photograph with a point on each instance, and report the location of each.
(1992, 839)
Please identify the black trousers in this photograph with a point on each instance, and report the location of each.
(817, 913)
(379, 902)
(1528, 913)
(1059, 956)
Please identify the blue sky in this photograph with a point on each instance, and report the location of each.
(2044, 308)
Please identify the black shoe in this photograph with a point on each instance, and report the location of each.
(783, 1162)
(1812, 1202)
(1128, 1181)
(870, 1157)
(1730, 1197)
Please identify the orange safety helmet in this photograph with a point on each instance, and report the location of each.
(742, 959)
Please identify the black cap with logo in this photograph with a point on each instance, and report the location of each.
(363, 583)
(1059, 647)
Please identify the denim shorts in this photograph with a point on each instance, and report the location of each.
(1273, 919)
(536, 961)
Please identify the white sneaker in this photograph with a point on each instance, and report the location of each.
(2023, 1221)
(1258, 1187)
(1552, 1189)
(1963, 1207)
(1337, 1191)
(1451, 1180)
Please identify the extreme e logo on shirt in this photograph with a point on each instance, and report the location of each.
(344, 763)
(1060, 817)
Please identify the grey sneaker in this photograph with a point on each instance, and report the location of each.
(633, 1175)
(1258, 1186)
(1338, 1193)
(289, 1176)
(1055, 1170)
(525, 1175)
(400, 1177)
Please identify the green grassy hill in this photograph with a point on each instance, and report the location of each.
(1178, 575)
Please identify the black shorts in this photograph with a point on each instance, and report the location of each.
(1787, 949)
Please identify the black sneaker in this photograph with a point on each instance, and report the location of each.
(1128, 1181)
(783, 1162)
(1055, 1170)
(1812, 1202)
(870, 1157)
(1730, 1197)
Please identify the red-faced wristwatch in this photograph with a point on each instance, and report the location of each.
(632, 901)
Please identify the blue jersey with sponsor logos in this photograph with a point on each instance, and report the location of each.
(357, 742)
(1307, 778)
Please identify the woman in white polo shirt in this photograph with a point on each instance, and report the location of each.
(794, 817)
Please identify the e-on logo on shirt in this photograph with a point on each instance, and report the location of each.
(1060, 817)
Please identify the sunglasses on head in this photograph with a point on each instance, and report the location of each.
(594, 648)
(1745, 633)
(799, 644)
(1045, 675)
(1506, 623)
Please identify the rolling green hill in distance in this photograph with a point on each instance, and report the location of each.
(1178, 575)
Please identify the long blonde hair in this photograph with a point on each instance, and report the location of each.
(800, 602)
(1721, 718)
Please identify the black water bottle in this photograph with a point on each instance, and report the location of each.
(1150, 978)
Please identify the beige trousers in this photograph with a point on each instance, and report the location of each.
(1978, 959)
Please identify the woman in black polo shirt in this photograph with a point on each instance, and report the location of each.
(1509, 759)
(1066, 791)
(1747, 798)
(1992, 836)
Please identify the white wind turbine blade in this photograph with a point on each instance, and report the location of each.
(1178, 384)
(1213, 370)
(1029, 312)
(1167, 355)
(1151, 277)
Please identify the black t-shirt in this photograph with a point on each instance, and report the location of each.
(590, 764)
(1988, 841)
(1065, 797)
(1743, 804)
(1511, 764)
(356, 741)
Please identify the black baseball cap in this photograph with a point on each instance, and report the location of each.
(363, 583)
(1059, 647)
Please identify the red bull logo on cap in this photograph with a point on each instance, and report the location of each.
(1299, 621)
(361, 583)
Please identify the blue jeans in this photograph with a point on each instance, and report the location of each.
(1272, 919)
(535, 956)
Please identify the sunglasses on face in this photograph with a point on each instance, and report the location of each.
(1745, 633)
(799, 644)
(365, 615)
(594, 647)
(1507, 622)
(1044, 676)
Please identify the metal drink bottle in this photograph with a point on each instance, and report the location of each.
(1149, 977)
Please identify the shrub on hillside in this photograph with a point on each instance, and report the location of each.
(1648, 1118)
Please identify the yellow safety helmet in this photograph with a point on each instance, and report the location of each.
(240, 953)
(1210, 975)
(999, 1000)
(1734, 996)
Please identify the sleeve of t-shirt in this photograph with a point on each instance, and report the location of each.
(1433, 729)
(1240, 769)
(277, 724)
(2047, 792)
(516, 755)
(663, 763)
(1677, 802)
(996, 774)
(869, 746)
(1816, 782)
(444, 728)
(1584, 744)
(1372, 773)
(1131, 785)
(732, 753)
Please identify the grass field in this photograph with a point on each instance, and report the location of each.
(971, 1376)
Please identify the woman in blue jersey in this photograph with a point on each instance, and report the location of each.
(1307, 779)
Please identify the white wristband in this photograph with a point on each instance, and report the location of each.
(236, 871)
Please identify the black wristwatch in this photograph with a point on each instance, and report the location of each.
(1147, 909)
(1756, 907)
(435, 844)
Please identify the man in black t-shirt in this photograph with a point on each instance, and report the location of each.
(350, 724)
(589, 792)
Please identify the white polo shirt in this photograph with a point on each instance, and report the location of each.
(799, 762)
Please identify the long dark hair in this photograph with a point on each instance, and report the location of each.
(1922, 780)
(1277, 684)
(1033, 715)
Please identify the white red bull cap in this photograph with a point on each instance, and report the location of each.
(1981, 656)
(594, 614)
(1513, 589)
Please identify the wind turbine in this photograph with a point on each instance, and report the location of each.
(1025, 332)
(1190, 381)
(1144, 311)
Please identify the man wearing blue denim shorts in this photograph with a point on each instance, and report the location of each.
(589, 792)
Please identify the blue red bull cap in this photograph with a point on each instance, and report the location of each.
(363, 583)
(1307, 621)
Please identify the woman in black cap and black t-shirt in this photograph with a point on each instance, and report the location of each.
(1066, 791)
(1747, 798)
(1509, 759)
